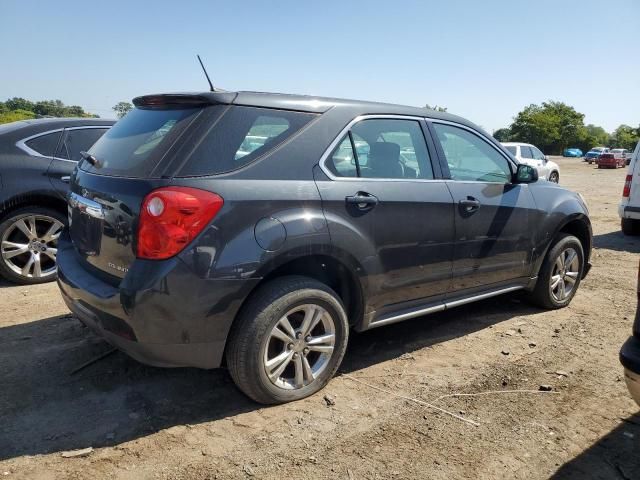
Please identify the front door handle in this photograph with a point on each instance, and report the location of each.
(65, 179)
(469, 205)
(362, 200)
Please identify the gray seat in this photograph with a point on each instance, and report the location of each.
(384, 161)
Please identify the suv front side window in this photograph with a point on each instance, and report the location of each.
(384, 149)
(469, 157)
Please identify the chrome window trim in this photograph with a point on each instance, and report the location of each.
(22, 144)
(360, 118)
(344, 131)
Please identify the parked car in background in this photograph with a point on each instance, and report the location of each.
(572, 152)
(622, 154)
(531, 155)
(270, 258)
(36, 160)
(629, 208)
(593, 154)
(610, 160)
(630, 353)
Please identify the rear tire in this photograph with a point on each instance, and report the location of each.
(560, 274)
(288, 340)
(26, 256)
(554, 177)
(630, 226)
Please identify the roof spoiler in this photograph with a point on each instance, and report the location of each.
(184, 99)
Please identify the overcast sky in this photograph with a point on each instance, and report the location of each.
(484, 60)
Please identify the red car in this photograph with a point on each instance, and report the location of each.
(610, 160)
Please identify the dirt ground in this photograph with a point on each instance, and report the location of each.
(145, 422)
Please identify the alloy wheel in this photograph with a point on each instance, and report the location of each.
(29, 246)
(553, 177)
(299, 347)
(564, 275)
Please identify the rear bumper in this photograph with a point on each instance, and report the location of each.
(607, 163)
(630, 359)
(161, 314)
(626, 211)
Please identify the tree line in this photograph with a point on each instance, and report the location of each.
(554, 126)
(17, 108)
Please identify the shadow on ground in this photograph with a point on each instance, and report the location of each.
(617, 241)
(614, 456)
(45, 408)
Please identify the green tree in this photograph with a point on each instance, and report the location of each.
(502, 134)
(15, 115)
(552, 126)
(122, 108)
(624, 137)
(17, 103)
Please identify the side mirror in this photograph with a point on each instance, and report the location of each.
(526, 174)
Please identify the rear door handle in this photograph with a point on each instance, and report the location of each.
(362, 200)
(65, 179)
(469, 205)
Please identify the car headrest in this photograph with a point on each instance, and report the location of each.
(384, 160)
(384, 151)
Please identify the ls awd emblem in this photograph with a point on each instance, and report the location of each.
(117, 267)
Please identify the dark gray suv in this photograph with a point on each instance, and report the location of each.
(257, 230)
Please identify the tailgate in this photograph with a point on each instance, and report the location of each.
(103, 219)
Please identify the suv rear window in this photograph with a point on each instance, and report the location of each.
(239, 137)
(135, 144)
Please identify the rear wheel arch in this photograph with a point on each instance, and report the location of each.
(36, 200)
(330, 271)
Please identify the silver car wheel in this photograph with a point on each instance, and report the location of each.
(29, 246)
(299, 347)
(564, 275)
(554, 177)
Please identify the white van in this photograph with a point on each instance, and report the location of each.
(629, 209)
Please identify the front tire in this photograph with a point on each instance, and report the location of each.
(560, 274)
(28, 245)
(554, 177)
(288, 341)
(630, 226)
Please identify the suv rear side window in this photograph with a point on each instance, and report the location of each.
(44, 144)
(240, 136)
(384, 148)
(525, 152)
(134, 145)
(470, 158)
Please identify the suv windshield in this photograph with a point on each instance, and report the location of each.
(130, 147)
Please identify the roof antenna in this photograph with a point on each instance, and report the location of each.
(206, 74)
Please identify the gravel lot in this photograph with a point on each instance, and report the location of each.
(144, 422)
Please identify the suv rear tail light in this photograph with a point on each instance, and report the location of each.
(171, 217)
(626, 191)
